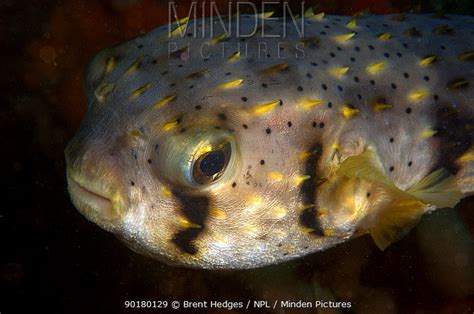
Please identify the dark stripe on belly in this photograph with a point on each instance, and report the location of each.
(308, 217)
(196, 210)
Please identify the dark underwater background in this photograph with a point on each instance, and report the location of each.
(53, 260)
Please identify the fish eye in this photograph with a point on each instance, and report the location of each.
(210, 166)
(199, 160)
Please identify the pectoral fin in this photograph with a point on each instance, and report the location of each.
(439, 189)
(365, 166)
(396, 220)
(402, 209)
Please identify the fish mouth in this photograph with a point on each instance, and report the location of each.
(92, 202)
(88, 196)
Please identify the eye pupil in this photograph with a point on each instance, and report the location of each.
(212, 163)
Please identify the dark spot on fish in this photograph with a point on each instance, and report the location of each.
(140, 46)
(451, 133)
(386, 55)
(329, 104)
(406, 75)
(191, 86)
(391, 140)
(300, 88)
(410, 163)
(228, 73)
(405, 45)
(339, 48)
(268, 130)
(399, 54)
(262, 162)
(222, 116)
(435, 97)
(368, 194)
(308, 75)
(394, 86)
(332, 54)
(408, 110)
(426, 78)
(308, 217)
(371, 47)
(198, 107)
(324, 86)
(442, 47)
(314, 124)
(322, 33)
(391, 169)
(245, 126)
(234, 184)
(356, 79)
(264, 85)
(314, 64)
(132, 183)
(357, 48)
(321, 125)
(244, 99)
(182, 130)
(164, 72)
(196, 210)
(359, 96)
(339, 87)
(149, 161)
(289, 124)
(372, 82)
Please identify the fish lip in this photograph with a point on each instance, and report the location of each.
(96, 205)
(89, 196)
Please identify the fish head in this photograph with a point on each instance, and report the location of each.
(191, 179)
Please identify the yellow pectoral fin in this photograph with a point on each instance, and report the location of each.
(401, 210)
(396, 220)
(364, 166)
(439, 189)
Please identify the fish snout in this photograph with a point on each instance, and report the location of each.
(95, 184)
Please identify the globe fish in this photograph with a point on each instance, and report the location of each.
(242, 149)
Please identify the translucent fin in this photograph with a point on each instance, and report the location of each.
(396, 220)
(405, 208)
(439, 189)
(364, 166)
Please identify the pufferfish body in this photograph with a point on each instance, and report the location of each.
(223, 150)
